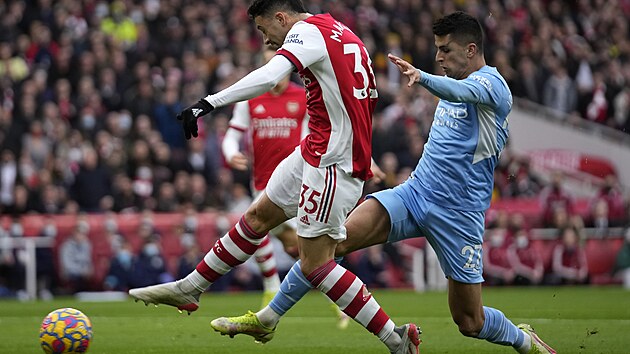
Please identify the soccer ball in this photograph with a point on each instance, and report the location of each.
(65, 330)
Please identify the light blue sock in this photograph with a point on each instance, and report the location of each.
(293, 288)
(498, 329)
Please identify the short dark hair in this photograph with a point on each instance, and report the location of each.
(462, 27)
(266, 7)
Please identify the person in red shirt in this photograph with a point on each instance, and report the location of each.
(569, 263)
(497, 269)
(525, 260)
(554, 199)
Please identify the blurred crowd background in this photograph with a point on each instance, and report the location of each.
(89, 91)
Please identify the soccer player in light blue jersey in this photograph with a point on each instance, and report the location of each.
(446, 196)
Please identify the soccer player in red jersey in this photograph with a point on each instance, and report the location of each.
(274, 123)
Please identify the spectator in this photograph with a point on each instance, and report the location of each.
(46, 270)
(12, 66)
(75, 258)
(622, 261)
(611, 208)
(163, 116)
(121, 269)
(125, 200)
(621, 105)
(525, 260)
(523, 182)
(12, 267)
(92, 183)
(599, 218)
(8, 179)
(119, 27)
(530, 83)
(372, 267)
(7, 261)
(150, 265)
(166, 198)
(559, 92)
(496, 266)
(191, 256)
(555, 199)
(569, 264)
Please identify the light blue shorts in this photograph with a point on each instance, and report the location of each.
(455, 235)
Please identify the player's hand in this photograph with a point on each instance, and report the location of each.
(406, 69)
(238, 162)
(189, 117)
(378, 174)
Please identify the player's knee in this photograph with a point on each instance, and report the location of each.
(341, 250)
(252, 218)
(307, 267)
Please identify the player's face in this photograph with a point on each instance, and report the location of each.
(273, 28)
(452, 57)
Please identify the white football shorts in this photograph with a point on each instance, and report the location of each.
(290, 224)
(319, 197)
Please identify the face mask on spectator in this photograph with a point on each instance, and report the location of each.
(124, 257)
(110, 225)
(187, 241)
(522, 241)
(83, 226)
(88, 121)
(50, 230)
(190, 224)
(496, 240)
(124, 121)
(16, 230)
(151, 249)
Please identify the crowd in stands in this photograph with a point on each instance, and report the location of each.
(89, 91)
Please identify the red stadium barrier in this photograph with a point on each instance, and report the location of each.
(600, 252)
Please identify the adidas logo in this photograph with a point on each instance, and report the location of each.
(196, 112)
(305, 220)
(260, 109)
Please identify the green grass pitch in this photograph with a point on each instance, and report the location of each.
(571, 319)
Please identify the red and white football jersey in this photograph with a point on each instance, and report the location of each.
(340, 91)
(276, 125)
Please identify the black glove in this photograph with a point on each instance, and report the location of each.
(189, 117)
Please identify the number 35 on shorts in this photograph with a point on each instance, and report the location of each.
(309, 199)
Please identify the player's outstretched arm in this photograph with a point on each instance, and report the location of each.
(406, 69)
(253, 84)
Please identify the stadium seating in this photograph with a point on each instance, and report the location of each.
(599, 251)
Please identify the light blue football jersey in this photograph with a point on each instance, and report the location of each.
(469, 131)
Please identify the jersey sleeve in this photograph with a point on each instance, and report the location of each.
(476, 88)
(253, 84)
(240, 116)
(239, 123)
(305, 129)
(304, 45)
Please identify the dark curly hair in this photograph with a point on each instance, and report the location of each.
(266, 7)
(462, 27)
